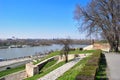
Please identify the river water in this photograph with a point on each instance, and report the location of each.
(29, 51)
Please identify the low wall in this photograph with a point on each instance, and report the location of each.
(89, 47)
(102, 46)
(71, 56)
(62, 58)
(32, 69)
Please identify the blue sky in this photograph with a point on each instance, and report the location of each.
(39, 18)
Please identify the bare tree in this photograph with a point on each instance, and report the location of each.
(101, 16)
(66, 48)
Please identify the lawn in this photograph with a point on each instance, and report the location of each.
(74, 71)
(58, 53)
(48, 56)
(51, 63)
(12, 70)
(81, 52)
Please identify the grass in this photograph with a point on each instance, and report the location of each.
(81, 52)
(48, 56)
(12, 70)
(74, 71)
(101, 74)
(58, 53)
(45, 71)
(51, 63)
(88, 72)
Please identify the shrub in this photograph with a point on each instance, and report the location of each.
(91, 67)
(81, 49)
(76, 55)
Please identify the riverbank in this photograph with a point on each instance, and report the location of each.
(9, 62)
(11, 53)
(15, 62)
(77, 51)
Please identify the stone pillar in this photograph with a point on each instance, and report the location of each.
(31, 69)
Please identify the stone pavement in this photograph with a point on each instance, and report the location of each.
(59, 71)
(113, 63)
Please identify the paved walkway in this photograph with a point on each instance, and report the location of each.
(59, 71)
(113, 63)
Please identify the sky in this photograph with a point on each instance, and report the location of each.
(46, 19)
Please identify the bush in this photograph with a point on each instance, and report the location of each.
(101, 73)
(76, 55)
(82, 77)
(81, 49)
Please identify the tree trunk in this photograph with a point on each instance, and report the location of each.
(114, 46)
(111, 48)
(116, 49)
(111, 44)
(66, 58)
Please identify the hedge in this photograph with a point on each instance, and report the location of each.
(91, 67)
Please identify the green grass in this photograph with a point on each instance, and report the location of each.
(48, 56)
(45, 71)
(81, 52)
(88, 72)
(74, 71)
(12, 70)
(48, 65)
(58, 53)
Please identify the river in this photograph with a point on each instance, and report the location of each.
(29, 51)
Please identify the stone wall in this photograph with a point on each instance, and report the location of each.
(32, 69)
(62, 58)
(71, 56)
(102, 46)
(89, 47)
